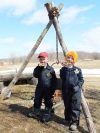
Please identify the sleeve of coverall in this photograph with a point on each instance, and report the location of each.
(36, 72)
(80, 78)
(61, 73)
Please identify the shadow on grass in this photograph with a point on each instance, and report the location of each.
(60, 120)
(18, 108)
(25, 111)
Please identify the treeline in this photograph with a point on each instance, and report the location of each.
(82, 56)
(86, 55)
(52, 57)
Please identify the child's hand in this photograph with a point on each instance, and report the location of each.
(63, 63)
(76, 88)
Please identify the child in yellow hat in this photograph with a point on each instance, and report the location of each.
(72, 81)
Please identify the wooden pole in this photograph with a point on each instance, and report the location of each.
(85, 108)
(60, 37)
(10, 76)
(58, 30)
(87, 115)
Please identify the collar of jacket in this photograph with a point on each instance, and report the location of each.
(48, 67)
(70, 68)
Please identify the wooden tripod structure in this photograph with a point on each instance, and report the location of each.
(53, 13)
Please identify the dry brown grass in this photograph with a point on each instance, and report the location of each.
(13, 112)
(88, 64)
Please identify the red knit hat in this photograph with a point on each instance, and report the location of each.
(43, 54)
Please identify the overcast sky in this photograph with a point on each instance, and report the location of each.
(22, 21)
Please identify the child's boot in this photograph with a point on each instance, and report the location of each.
(35, 112)
(48, 115)
(74, 126)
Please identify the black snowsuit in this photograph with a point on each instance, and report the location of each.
(45, 87)
(72, 81)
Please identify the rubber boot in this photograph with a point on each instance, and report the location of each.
(47, 115)
(35, 113)
(74, 126)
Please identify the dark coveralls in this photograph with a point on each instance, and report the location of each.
(72, 81)
(45, 87)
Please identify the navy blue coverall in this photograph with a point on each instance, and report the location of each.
(72, 81)
(45, 87)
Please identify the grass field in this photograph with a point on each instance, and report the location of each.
(13, 111)
(81, 63)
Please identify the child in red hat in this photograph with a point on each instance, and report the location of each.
(45, 87)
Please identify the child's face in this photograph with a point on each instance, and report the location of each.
(43, 60)
(70, 60)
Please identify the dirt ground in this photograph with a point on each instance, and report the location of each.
(14, 111)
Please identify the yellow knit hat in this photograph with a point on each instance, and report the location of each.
(72, 54)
